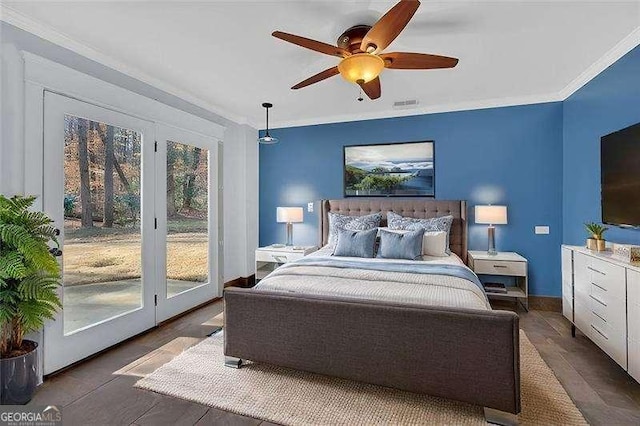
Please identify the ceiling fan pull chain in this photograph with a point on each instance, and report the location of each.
(360, 98)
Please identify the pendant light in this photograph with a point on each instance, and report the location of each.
(267, 139)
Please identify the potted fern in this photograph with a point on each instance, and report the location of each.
(29, 278)
(596, 241)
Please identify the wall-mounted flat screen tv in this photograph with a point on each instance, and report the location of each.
(620, 178)
(390, 170)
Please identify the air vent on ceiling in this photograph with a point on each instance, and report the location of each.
(408, 104)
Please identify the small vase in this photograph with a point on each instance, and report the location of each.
(592, 244)
(601, 245)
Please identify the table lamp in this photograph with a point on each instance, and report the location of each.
(289, 215)
(491, 215)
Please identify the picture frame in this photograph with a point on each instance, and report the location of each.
(401, 169)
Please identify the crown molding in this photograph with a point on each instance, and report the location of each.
(618, 51)
(435, 109)
(19, 20)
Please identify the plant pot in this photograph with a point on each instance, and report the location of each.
(19, 376)
(601, 245)
(592, 244)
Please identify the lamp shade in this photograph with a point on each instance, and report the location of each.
(361, 66)
(491, 215)
(289, 214)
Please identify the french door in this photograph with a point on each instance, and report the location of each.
(99, 188)
(187, 211)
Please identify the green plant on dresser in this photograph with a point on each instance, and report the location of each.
(596, 231)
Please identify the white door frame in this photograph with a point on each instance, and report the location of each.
(167, 308)
(61, 349)
(42, 75)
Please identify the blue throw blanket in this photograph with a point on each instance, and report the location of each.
(416, 267)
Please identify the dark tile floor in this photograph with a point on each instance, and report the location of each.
(100, 391)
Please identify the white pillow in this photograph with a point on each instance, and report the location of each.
(434, 243)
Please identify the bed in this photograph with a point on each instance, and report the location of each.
(422, 326)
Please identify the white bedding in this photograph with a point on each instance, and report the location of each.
(398, 287)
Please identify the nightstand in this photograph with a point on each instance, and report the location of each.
(270, 258)
(508, 264)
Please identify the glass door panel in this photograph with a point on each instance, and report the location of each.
(102, 261)
(187, 217)
(188, 226)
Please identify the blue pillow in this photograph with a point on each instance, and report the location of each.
(356, 243)
(396, 245)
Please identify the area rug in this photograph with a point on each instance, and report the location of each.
(292, 397)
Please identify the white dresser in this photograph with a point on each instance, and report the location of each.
(601, 297)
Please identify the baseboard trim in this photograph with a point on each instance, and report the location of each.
(241, 282)
(545, 303)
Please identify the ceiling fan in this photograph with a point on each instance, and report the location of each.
(361, 46)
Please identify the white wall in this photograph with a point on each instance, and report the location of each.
(240, 200)
(239, 156)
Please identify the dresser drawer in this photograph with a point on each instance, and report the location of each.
(611, 311)
(278, 257)
(610, 278)
(610, 340)
(500, 267)
(593, 275)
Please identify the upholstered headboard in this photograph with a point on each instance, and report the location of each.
(419, 208)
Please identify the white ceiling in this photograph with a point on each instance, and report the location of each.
(221, 55)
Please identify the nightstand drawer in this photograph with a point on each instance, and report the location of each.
(500, 267)
(276, 256)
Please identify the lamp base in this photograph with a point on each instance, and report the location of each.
(289, 234)
(491, 231)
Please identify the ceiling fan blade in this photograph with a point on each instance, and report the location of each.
(314, 45)
(389, 26)
(417, 61)
(316, 78)
(372, 88)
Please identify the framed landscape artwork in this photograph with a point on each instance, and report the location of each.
(390, 170)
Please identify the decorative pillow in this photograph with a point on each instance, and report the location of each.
(442, 223)
(356, 243)
(434, 243)
(406, 245)
(354, 223)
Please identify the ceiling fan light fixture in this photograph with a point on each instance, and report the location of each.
(361, 67)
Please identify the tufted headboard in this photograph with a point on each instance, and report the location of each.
(419, 208)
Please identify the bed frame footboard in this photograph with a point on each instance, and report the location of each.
(462, 354)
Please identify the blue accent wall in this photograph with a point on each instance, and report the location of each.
(510, 155)
(609, 102)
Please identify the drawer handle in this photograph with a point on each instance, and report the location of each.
(499, 266)
(599, 286)
(596, 314)
(597, 300)
(280, 259)
(595, 270)
(599, 332)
